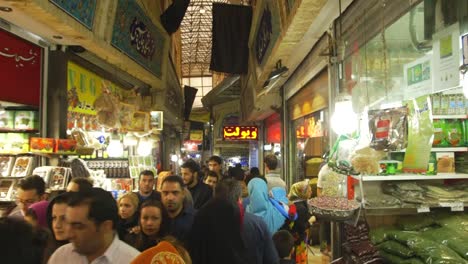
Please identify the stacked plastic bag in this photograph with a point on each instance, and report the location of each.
(433, 238)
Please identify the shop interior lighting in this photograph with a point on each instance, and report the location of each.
(344, 120)
(115, 148)
(6, 9)
(144, 147)
(267, 147)
(174, 158)
(130, 140)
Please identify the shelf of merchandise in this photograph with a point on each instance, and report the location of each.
(441, 149)
(449, 116)
(8, 130)
(411, 177)
(382, 211)
(12, 177)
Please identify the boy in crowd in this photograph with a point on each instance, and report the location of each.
(284, 243)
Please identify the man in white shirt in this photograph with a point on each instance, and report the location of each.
(272, 175)
(91, 218)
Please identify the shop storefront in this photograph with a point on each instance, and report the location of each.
(308, 127)
(21, 70)
(401, 60)
(272, 138)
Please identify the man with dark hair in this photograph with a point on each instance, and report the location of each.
(272, 175)
(146, 190)
(215, 163)
(201, 193)
(92, 218)
(80, 184)
(30, 190)
(180, 215)
(284, 243)
(19, 242)
(257, 239)
(211, 178)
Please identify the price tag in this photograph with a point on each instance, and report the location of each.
(423, 209)
(457, 207)
(454, 207)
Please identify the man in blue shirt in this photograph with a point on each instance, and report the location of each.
(180, 216)
(146, 187)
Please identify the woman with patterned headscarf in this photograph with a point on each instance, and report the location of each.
(299, 193)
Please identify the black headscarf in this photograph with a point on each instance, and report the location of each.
(216, 234)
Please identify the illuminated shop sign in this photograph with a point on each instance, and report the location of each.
(240, 132)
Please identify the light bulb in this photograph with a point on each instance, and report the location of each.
(344, 120)
(144, 148)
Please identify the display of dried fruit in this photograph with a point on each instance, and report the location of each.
(333, 203)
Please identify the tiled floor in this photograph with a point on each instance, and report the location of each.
(316, 257)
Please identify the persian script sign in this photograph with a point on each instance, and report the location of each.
(135, 35)
(240, 132)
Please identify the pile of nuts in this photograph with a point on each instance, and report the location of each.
(333, 203)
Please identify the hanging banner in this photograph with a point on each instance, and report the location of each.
(81, 10)
(83, 89)
(136, 35)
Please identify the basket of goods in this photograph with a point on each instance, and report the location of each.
(333, 208)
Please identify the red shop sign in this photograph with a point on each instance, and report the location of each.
(20, 70)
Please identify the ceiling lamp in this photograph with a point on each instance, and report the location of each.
(344, 120)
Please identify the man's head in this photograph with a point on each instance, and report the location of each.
(211, 178)
(190, 172)
(80, 184)
(20, 243)
(172, 195)
(161, 176)
(228, 189)
(215, 163)
(30, 190)
(146, 182)
(271, 162)
(284, 243)
(91, 220)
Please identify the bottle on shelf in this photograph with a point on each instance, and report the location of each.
(436, 103)
(444, 104)
(461, 104)
(431, 166)
(452, 109)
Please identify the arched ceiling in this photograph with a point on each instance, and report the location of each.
(196, 38)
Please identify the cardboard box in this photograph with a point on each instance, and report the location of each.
(6, 120)
(66, 146)
(26, 120)
(43, 145)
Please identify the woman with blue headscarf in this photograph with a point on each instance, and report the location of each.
(260, 205)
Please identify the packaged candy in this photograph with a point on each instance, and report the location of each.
(388, 128)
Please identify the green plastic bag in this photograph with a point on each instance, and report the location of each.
(415, 223)
(379, 235)
(449, 238)
(397, 249)
(393, 259)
